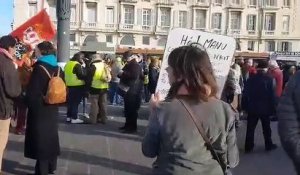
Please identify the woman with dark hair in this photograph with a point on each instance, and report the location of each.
(174, 136)
(41, 137)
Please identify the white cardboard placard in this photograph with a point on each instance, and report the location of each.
(219, 48)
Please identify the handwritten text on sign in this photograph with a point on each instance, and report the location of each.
(219, 48)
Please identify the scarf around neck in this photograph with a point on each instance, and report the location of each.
(49, 59)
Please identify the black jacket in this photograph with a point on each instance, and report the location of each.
(10, 86)
(133, 77)
(288, 112)
(41, 139)
(259, 95)
(153, 78)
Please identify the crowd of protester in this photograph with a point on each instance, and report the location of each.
(192, 131)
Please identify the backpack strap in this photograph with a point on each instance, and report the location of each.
(58, 72)
(45, 70)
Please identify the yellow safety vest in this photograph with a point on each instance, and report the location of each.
(71, 78)
(98, 79)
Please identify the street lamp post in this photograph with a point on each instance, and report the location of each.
(63, 14)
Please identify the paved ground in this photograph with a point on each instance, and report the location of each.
(102, 150)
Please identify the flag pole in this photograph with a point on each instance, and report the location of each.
(63, 14)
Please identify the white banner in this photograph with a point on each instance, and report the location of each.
(219, 48)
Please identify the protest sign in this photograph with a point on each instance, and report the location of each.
(219, 48)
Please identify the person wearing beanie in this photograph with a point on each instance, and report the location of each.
(259, 102)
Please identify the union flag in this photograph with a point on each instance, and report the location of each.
(37, 29)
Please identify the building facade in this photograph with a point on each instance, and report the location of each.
(257, 25)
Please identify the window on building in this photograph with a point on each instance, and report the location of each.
(236, 2)
(218, 2)
(217, 21)
(286, 23)
(251, 45)
(252, 2)
(270, 3)
(32, 9)
(146, 40)
(146, 17)
(72, 37)
(129, 14)
(183, 19)
(146, 0)
(182, 1)
(235, 20)
(91, 12)
(110, 15)
(284, 46)
(251, 23)
(109, 38)
(270, 46)
(73, 13)
(270, 21)
(286, 3)
(200, 19)
(200, 1)
(165, 18)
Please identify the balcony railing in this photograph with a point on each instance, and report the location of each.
(285, 33)
(127, 26)
(251, 32)
(147, 28)
(165, 2)
(111, 26)
(236, 5)
(217, 31)
(270, 32)
(199, 28)
(270, 6)
(129, 1)
(89, 25)
(163, 28)
(201, 3)
(235, 32)
(138, 28)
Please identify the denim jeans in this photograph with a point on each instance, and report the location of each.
(113, 95)
(75, 96)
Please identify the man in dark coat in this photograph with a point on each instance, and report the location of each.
(289, 120)
(41, 137)
(10, 88)
(132, 77)
(259, 103)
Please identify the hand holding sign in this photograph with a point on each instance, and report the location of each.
(219, 48)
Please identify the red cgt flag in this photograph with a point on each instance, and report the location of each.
(37, 29)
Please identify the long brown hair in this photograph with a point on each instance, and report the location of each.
(192, 65)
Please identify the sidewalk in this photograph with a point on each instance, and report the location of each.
(102, 150)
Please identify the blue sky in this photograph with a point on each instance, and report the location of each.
(6, 17)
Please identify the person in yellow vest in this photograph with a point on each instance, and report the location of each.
(99, 76)
(75, 77)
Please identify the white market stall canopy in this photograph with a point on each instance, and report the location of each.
(286, 56)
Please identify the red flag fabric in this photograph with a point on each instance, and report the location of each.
(37, 29)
